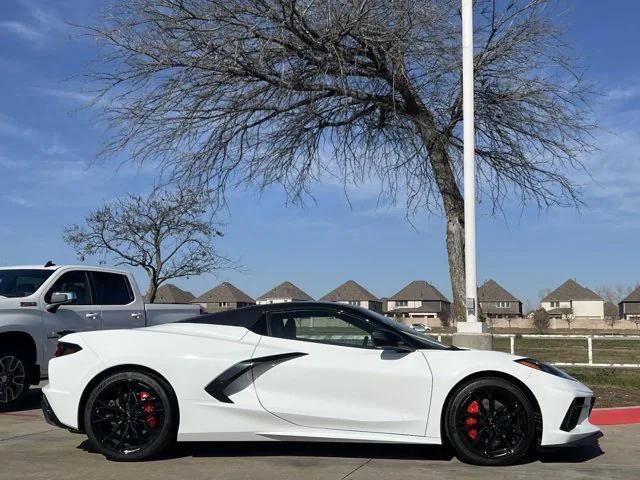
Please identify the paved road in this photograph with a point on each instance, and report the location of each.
(31, 449)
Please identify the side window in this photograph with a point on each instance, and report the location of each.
(112, 288)
(321, 327)
(72, 282)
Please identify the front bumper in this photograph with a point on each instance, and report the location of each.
(589, 439)
(565, 406)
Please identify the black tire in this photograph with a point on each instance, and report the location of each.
(131, 416)
(15, 368)
(490, 421)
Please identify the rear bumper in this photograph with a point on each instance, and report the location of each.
(49, 415)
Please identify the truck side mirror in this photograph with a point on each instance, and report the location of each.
(61, 298)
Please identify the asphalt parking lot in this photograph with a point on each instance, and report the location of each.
(31, 449)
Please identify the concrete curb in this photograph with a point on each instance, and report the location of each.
(615, 416)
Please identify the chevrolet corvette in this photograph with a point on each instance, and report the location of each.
(307, 372)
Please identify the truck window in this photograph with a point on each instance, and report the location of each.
(21, 282)
(112, 288)
(73, 282)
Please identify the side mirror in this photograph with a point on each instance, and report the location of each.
(61, 298)
(389, 341)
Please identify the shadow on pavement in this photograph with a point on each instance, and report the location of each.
(572, 454)
(351, 450)
(300, 449)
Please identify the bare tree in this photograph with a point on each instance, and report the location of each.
(541, 320)
(614, 293)
(257, 92)
(168, 234)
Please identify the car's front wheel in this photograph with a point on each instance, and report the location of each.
(130, 416)
(490, 421)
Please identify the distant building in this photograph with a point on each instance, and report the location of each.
(285, 292)
(571, 298)
(496, 302)
(418, 300)
(352, 293)
(169, 293)
(629, 307)
(224, 297)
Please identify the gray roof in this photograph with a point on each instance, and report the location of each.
(285, 290)
(169, 293)
(349, 290)
(571, 290)
(633, 296)
(225, 292)
(491, 291)
(419, 290)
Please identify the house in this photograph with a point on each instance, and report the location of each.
(629, 307)
(418, 300)
(571, 298)
(353, 293)
(224, 297)
(496, 302)
(285, 292)
(169, 293)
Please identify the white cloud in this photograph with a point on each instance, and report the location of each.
(22, 30)
(73, 95)
(18, 200)
(10, 163)
(12, 128)
(56, 147)
(41, 23)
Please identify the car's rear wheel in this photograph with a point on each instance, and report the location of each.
(14, 378)
(490, 421)
(130, 416)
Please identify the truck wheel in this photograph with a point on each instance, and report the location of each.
(14, 378)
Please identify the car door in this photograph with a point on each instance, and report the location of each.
(118, 306)
(340, 380)
(82, 315)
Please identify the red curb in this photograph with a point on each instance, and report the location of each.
(615, 416)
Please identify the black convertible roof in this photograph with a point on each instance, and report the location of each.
(247, 317)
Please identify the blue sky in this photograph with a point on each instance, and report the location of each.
(48, 179)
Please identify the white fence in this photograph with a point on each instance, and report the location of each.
(588, 338)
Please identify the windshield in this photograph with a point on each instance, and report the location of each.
(423, 338)
(22, 283)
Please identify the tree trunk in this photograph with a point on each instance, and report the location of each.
(453, 204)
(152, 291)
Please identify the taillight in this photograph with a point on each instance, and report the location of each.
(65, 348)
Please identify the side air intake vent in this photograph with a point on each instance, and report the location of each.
(573, 414)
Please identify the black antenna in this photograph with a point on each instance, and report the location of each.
(49, 264)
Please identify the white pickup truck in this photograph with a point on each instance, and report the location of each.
(40, 304)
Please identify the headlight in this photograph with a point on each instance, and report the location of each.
(544, 367)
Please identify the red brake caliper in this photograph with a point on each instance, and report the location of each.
(147, 407)
(472, 410)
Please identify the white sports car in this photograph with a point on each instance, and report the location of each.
(307, 372)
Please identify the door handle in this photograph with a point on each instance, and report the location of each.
(61, 333)
(92, 315)
(136, 315)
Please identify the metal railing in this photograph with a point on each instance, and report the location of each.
(589, 339)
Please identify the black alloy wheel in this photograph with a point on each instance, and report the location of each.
(130, 416)
(14, 379)
(490, 421)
